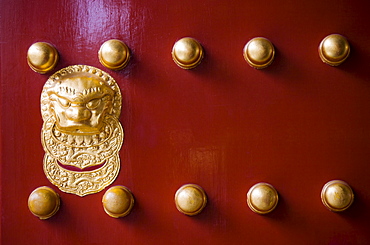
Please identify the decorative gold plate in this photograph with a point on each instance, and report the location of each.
(81, 134)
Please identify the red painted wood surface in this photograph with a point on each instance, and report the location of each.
(224, 125)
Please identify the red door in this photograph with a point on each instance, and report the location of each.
(223, 125)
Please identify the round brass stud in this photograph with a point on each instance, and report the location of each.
(334, 49)
(114, 54)
(43, 202)
(259, 52)
(42, 57)
(187, 53)
(262, 198)
(337, 195)
(190, 199)
(118, 201)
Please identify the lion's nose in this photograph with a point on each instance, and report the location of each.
(78, 113)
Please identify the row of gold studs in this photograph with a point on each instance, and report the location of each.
(187, 53)
(191, 199)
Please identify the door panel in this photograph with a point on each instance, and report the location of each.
(224, 125)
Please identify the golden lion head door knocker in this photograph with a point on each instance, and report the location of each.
(81, 134)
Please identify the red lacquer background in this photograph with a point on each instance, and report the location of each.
(223, 125)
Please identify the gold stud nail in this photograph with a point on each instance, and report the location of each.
(334, 49)
(337, 195)
(187, 53)
(114, 54)
(259, 52)
(43, 202)
(42, 57)
(262, 198)
(190, 199)
(118, 201)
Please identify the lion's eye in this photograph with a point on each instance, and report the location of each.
(64, 102)
(92, 104)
